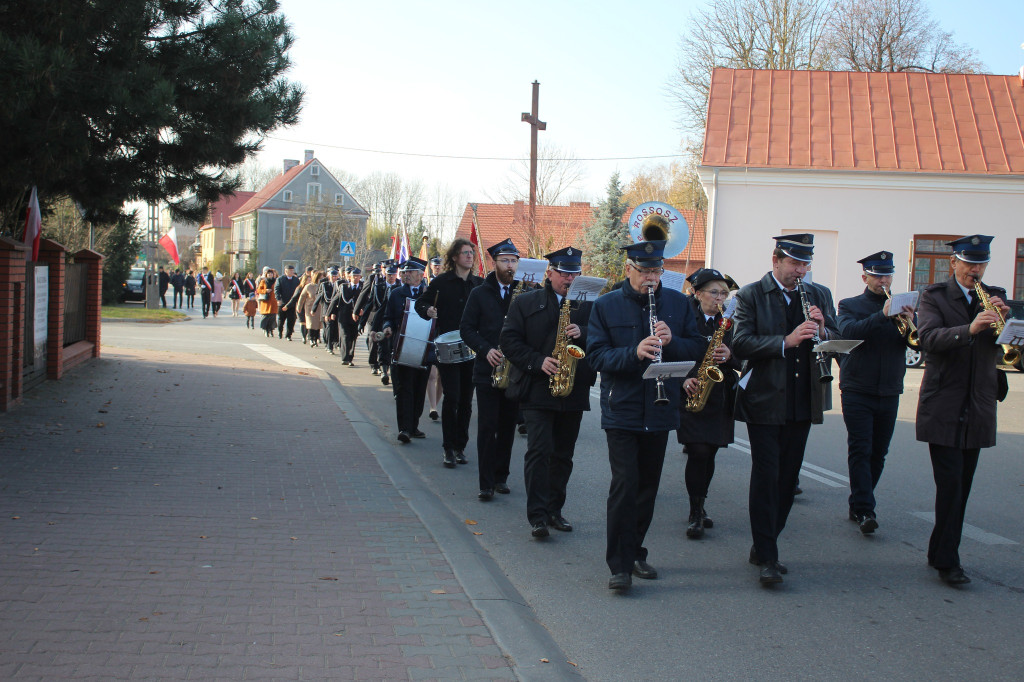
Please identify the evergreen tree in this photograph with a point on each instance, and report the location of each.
(606, 234)
(121, 247)
(107, 101)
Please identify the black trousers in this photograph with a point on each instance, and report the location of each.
(330, 333)
(700, 468)
(550, 444)
(349, 333)
(636, 459)
(286, 322)
(870, 420)
(178, 298)
(205, 295)
(190, 299)
(495, 434)
(410, 388)
(776, 453)
(953, 470)
(457, 406)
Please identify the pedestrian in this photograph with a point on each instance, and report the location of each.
(235, 294)
(324, 296)
(293, 303)
(409, 384)
(342, 310)
(284, 289)
(248, 285)
(250, 309)
(308, 311)
(163, 282)
(178, 285)
(205, 282)
(190, 290)
(266, 301)
(217, 295)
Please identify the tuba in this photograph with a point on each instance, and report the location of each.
(1012, 355)
(561, 382)
(500, 374)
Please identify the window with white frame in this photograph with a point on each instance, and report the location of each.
(291, 229)
(339, 199)
(314, 171)
(288, 196)
(312, 192)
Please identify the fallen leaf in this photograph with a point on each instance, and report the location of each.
(162, 371)
(572, 664)
(476, 532)
(438, 592)
(544, 660)
(153, 572)
(254, 518)
(203, 537)
(100, 425)
(143, 618)
(328, 578)
(470, 522)
(293, 538)
(15, 518)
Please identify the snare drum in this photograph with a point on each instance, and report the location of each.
(452, 349)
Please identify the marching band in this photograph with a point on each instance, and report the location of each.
(760, 354)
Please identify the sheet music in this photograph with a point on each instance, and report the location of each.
(900, 300)
(1013, 333)
(531, 270)
(586, 288)
(673, 280)
(839, 346)
(666, 370)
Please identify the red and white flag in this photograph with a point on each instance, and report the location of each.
(394, 247)
(170, 242)
(476, 246)
(33, 226)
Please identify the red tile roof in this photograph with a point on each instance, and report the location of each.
(273, 187)
(221, 211)
(914, 122)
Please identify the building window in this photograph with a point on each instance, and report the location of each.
(314, 171)
(286, 263)
(931, 259)
(313, 192)
(1018, 271)
(291, 229)
(339, 199)
(288, 196)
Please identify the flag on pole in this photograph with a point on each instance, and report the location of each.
(403, 253)
(170, 242)
(476, 246)
(33, 226)
(394, 247)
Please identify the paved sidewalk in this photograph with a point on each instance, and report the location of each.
(164, 519)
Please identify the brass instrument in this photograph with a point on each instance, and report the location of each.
(905, 326)
(652, 317)
(709, 373)
(561, 382)
(1012, 354)
(654, 227)
(500, 374)
(824, 363)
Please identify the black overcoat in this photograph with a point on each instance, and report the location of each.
(715, 424)
(482, 321)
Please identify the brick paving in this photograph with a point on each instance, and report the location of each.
(163, 519)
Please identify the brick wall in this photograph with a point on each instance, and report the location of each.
(12, 321)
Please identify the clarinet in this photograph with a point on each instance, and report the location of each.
(824, 364)
(652, 318)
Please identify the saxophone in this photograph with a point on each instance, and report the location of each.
(500, 374)
(561, 382)
(1012, 355)
(710, 374)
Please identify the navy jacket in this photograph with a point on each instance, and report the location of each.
(482, 321)
(878, 365)
(619, 322)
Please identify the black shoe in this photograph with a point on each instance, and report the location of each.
(708, 523)
(695, 528)
(434, 415)
(449, 458)
(797, 490)
(558, 522)
(351, 364)
(757, 562)
(385, 380)
(770, 574)
(867, 522)
(540, 530)
(954, 576)
(642, 569)
(485, 494)
(403, 437)
(522, 429)
(418, 434)
(502, 488)
(344, 362)
(620, 582)
(375, 372)
(460, 457)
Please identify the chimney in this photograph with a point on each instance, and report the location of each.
(289, 164)
(308, 156)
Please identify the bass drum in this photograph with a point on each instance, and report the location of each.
(413, 343)
(451, 349)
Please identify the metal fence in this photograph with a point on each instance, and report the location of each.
(75, 284)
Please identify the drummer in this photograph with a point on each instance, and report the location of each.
(444, 301)
(408, 383)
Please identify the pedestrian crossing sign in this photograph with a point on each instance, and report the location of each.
(348, 249)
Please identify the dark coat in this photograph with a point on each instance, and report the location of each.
(163, 281)
(528, 337)
(324, 295)
(957, 405)
(759, 329)
(715, 424)
(248, 288)
(284, 289)
(190, 284)
(371, 302)
(178, 281)
(482, 321)
(205, 284)
(619, 323)
(395, 310)
(343, 302)
(448, 293)
(877, 366)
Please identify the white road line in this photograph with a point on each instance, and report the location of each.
(970, 531)
(826, 472)
(278, 356)
(807, 470)
(804, 473)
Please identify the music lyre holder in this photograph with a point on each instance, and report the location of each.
(668, 370)
(836, 346)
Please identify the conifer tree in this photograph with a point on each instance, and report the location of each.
(606, 234)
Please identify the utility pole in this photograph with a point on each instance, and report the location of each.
(533, 118)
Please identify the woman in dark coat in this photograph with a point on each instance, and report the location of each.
(190, 290)
(703, 433)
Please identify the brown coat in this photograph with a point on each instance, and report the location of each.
(305, 307)
(269, 306)
(957, 406)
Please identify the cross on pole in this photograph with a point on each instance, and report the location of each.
(533, 118)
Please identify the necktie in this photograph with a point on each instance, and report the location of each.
(504, 292)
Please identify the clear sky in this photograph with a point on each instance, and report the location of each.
(451, 77)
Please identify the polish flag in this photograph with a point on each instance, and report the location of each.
(403, 254)
(394, 247)
(33, 226)
(476, 246)
(170, 242)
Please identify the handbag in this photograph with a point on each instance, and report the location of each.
(262, 297)
(517, 383)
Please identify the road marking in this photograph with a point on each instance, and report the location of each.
(808, 470)
(973, 532)
(827, 472)
(278, 356)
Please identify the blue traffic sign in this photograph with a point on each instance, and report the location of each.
(348, 249)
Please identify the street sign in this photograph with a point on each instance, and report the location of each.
(348, 249)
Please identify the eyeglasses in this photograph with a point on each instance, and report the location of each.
(648, 271)
(507, 261)
(716, 293)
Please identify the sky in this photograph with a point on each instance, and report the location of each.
(452, 78)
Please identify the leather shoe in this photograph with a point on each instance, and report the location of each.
(642, 569)
(868, 523)
(433, 415)
(558, 522)
(385, 379)
(620, 581)
(540, 530)
(418, 434)
(522, 429)
(403, 437)
(485, 494)
(460, 457)
(954, 576)
(502, 488)
(449, 458)
(757, 562)
(770, 574)
(797, 490)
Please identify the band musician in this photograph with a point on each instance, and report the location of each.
(409, 384)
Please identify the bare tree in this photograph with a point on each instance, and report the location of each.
(559, 172)
(254, 175)
(676, 184)
(897, 35)
(322, 227)
(444, 212)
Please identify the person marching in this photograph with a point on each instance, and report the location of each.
(409, 384)
(706, 420)
(784, 386)
(481, 325)
(308, 312)
(342, 309)
(445, 300)
(325, 294)
(544, 331)
(871, 382)
(205, 283)
(956, 413)
(370, 309)
(639, 323)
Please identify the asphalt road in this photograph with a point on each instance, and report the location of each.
(851, 607)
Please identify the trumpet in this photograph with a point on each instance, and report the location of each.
(904, 325)
(1012, 355)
